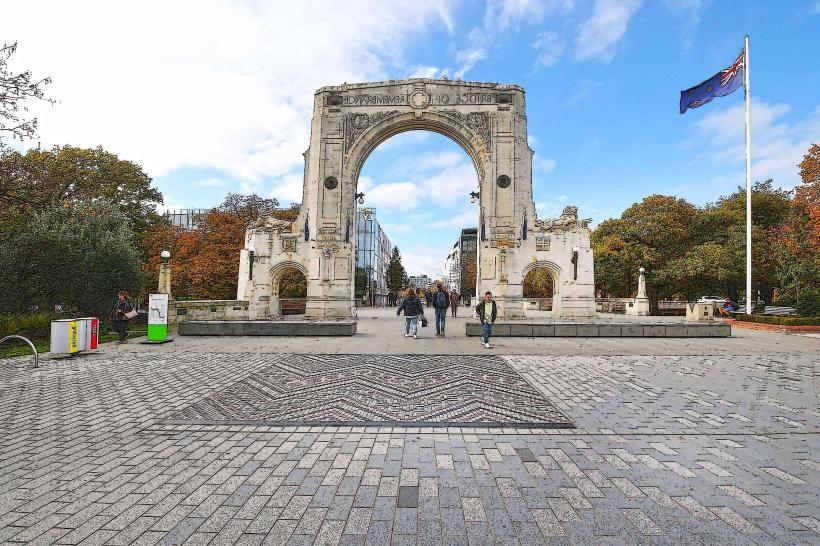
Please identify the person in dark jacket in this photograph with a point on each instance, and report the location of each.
(454, 301)
(413, 309)
(441, 301)
(428, 297)
(118, 317)
(487, 312)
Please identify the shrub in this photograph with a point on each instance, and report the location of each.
(808, 303)
(33, 325)
(783, 321)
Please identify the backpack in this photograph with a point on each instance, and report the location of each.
(441, 300)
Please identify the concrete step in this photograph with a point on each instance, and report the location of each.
(600, 329)
(306, 328)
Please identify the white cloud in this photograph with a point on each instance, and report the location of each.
(777, 145)
(502, 15)
(549, 47)
(468, 59)
(211, 182)
(205, 83)
(583, 90)
(601, 33)
(544, 165)
(432, 72)
(424, 258)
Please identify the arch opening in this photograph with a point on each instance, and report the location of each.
(288, 290)
(417, 184)
(539, 289)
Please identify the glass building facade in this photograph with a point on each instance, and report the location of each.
(373, 251)
(187, 219)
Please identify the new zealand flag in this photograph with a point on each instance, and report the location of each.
(721, 84)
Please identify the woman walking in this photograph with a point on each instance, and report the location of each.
(413, 309)
(122, 312)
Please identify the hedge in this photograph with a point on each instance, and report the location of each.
(783, 321)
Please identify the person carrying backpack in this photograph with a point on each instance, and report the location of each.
(441, 301)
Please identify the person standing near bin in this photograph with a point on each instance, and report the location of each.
(487, 312)
(122, 312)
(441, 301)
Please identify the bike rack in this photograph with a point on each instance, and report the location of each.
(30, 344)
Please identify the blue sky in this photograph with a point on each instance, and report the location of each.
(214, 96)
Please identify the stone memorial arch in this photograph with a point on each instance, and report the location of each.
(489, 122)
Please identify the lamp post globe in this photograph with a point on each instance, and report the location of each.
(165, 256)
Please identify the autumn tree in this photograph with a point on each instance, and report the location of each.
(538, 283)
(41, 179)
(205, 261)
(16, 90)
(799, 241)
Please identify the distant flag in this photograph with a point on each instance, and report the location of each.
(721, 84)
(307, 228)
(524, 231)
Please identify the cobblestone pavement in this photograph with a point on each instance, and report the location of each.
(667, 450)
(316, 389)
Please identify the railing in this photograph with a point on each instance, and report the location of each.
(30, 344)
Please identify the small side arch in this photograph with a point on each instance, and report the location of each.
(553, 268)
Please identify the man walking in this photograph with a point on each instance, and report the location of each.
(441, 300)
(454, 301)
(428, 297)
(487, 311)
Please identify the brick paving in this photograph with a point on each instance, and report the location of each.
(349, 389)
(667, 450)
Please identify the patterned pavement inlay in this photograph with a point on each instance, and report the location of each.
(384, 389)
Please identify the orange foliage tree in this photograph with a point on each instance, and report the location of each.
(205, 261)
(799, 243)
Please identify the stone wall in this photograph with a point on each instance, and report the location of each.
(179, 311)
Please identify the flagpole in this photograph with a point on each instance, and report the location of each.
(748, 180)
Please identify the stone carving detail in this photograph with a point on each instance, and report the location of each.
(479, 122)
(568, 220)
(271, 224)
(288, 244)
(331, 182)
(356, 124)
(503, 181)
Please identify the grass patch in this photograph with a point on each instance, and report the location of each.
(16, 347)
(782, 321)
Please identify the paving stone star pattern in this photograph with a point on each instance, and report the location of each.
(667, 450)
(306, 389)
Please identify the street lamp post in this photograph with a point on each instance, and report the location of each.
(575, 263)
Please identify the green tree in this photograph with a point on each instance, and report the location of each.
(42, 179)
(396, 274)
(76, 256)
(651, 234)
(15, 91)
